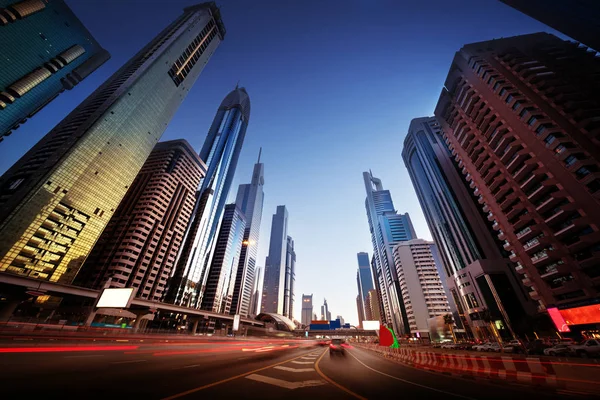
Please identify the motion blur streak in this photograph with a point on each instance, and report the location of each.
(337, 385)
(64, 349)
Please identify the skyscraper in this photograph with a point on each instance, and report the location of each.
(387, 228)
(307, 309)
(256, 293)
(45, 51)
(520, 116)
(275, 265)
(422, 291)
(139, 246)
(325, 313)
(364, 282)
(579, 19)
(471, 254)
(250, 201)
(220, 151)
(290, 278)
(373, 308)
(56, 200)
(221, 275)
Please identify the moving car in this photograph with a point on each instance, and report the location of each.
(537, 346)
(558, 350)
(514, 346)
(337, 347)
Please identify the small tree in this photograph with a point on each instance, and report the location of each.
(449, 320)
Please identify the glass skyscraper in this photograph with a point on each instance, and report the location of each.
(364, 282)
(250, 201)
(220, 281)
(56, 200)
(275, 279)
(387, 228)
(220, 152)
(45, 51)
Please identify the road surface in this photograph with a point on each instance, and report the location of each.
(233, 370)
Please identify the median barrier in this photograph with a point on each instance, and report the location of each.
(577, 376)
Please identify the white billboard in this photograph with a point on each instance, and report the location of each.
(236, 322)
(370, 325)
(115, 298)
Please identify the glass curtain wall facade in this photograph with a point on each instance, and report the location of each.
(275, 265)
(220, 152)
(532, 157)
(364, 282)
(465, 238)
(57, 199)
(45, 51)
(250, 199)
(150, 221)
(290, 279)
(387, 228)
(307, 309)
(220, 282)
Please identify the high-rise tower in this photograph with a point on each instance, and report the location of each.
(307, 309)
(275, 265)
(45, 51)
(290, 279)
(387, 228)
(139, 246)
(220, 281)
(56, 200)
(250, 201)
(364, 282)
(475, 263)
(220, 151)
(520, 116)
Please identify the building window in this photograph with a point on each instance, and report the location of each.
(549, 139)
(516, 105)
(582, 172)
(532, 121)
(502, 91)
(43, 36)
(570, 160)
(540, 129)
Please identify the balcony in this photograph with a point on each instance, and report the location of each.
(486, 208)
(551, 202)
(517, 160)
(527, 167)
(516, 209)
(509, 201)
(490, 216)
(513, 257)
(568, 286)
(527, 282)
(524, 232)
(507, 245)
(519, 268)
(501, 235)
(551, 269)
(534, 244)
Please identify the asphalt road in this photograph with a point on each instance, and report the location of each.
(232, 370)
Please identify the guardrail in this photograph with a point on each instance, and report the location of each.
(577, 376)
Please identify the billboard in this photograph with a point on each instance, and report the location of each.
(574, 316)
(370, 325)
(115, 298)
(236, 322)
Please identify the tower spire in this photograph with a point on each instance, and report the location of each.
(259, 153)
(237, 85)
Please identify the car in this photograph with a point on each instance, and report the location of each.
(514, 346)
(558, 350)
(479, 347)
(337, 346)
(587, 348)
(322, 343)
(449, 345)
(491, 347)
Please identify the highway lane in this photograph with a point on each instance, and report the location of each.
(242, 370)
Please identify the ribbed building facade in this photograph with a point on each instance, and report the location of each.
(422, 291)
(139, 246)
(520, 116)
(220, 282)
(307, 309)
(220, 152)
(387, 228)
(57, 199)
(290, 279)
(45, 51)
(250, 199)
(476, 268)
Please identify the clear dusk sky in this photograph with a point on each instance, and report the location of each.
(333, 86)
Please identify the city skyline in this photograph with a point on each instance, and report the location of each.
(280, 193)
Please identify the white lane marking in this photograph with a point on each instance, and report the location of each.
(190, 366)
(294, 369)
(309, 358)
(285, 384)
(303, 362)
(128, 362)
(86, 356)
(409, 382)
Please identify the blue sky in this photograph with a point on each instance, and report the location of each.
(333, 86)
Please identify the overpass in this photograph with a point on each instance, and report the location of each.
(139, 306)
(335, 332)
